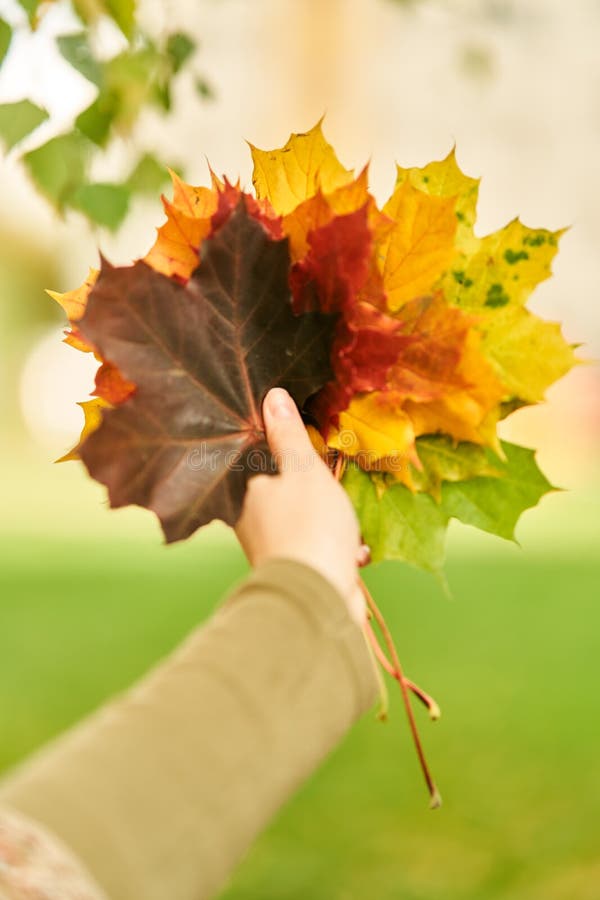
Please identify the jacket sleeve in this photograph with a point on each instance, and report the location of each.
(160, 793)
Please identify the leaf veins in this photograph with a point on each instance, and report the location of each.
(202, 356)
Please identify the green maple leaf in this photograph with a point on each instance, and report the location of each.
(399, 524)
(396, 523)
(443, 460)
(495, 504)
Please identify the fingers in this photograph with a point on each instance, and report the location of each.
(286, 433)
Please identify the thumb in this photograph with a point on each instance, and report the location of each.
(286, 433)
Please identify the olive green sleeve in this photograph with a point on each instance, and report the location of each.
(160, 793)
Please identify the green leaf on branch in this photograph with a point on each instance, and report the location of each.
(127, 82)
(148, 177)
(31, 8)
(17, 120)
(180, 48)
(103, 203)
(161, 94)
(133, 78)
(122, 12)
(528, 353)
(58, 168)
(96, 121)
(5, 38)
(75, 48)
(495, 504)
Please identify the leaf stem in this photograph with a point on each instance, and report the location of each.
(425, 698)
(384, 698)
(398, 674)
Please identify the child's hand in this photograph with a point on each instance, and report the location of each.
(302, 513)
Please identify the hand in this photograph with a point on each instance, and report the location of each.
(303, 513)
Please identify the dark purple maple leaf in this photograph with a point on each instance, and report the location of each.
(202, 357)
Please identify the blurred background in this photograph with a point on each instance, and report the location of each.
(90, 598)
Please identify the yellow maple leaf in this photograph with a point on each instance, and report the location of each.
(293, 173)
(374, 428)
(494, 276)
(444, 178)
(502, 268)
(414, 254)
(493, 271)
(528, 353)
(460, 414)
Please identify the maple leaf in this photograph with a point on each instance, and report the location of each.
(496, 504)
(189, 221)
(443, 355)
(336, 265)
(331, 277)
(400, 524)
(296, 171)
(321, 209)
(502, 268)
(175, 251)
(199, 202)
(449, 384)
(436, 379)
(442, 460)
(493, 276)
(444, 179)
(202, 356)
(194, 214)
(416, 252)
(396, 523)
(375, 428)
(527, 353)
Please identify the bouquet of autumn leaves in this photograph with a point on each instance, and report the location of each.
(402, 336)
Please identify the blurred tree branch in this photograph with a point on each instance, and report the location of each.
(139, 77)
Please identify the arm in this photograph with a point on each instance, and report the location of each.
(161, 793)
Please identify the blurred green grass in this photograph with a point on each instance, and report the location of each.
(512, 658)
